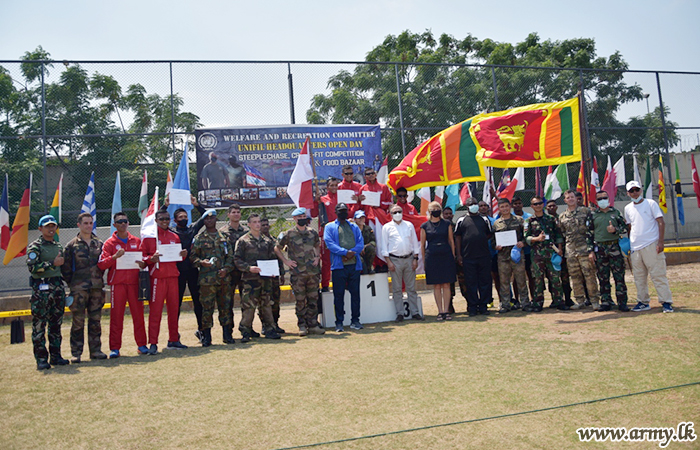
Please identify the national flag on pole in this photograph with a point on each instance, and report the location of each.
(679, 195)
(488, 190)
(619, 168)
(253, 177)
(648, 185)
(181, 187)
(424, 196)
(517, 183)
(439, 194)
(56, 210)
(538, 184)
(696, 180)
(557, 182)
(300, 188)
(662, 187)
(595, 183)
(20, 227)
(452, 192)
(149, 228)
(116, 201)
(89, 201)
(465, 193)
(168, 183)
(383, 173)
(529, 136)
(610, 182)
(636, 176)
(143, 196)
(5, 217)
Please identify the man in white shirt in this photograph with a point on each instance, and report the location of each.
(400, 248)
(646, 228)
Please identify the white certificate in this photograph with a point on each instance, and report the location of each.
(269, 268)
(345, 196)
(170, 252)
(180, 197)
(128, 260)
(371, 198)
(506, 238)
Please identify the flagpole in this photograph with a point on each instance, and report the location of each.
(668, 156)
(313, 164)
(586, 139)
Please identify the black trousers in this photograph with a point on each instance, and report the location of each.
(477, 278)
(190, 278)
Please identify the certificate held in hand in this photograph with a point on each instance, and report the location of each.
(128, 261)
(269, 268)
(507, 238)
(170, 252)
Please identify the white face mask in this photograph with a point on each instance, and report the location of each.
(397, 217)
(638, 199)
(604, 203)
(473, 209)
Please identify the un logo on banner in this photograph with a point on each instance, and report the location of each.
(207, 141)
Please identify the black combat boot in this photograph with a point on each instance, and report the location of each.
(206, 337)
(228, 334)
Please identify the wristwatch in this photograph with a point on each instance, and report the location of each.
(415, 256)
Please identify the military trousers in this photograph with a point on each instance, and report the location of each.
(256, 294)
(90, 301)
(542, 267)
(47, 303)
(305, 288)
(216, 296)
(507, 269)
(583, 273)
(609, 258)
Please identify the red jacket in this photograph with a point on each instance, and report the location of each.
(408, 209)
(106, 262)
(148, 248)
(329, 201)
(385, 200)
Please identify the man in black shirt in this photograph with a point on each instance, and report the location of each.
(471, 237)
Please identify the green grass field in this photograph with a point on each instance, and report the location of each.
(385, 378)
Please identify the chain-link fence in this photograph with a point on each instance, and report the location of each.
(78, 117)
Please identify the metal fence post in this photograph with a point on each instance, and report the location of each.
(668, 157)
(495, 88)
(291, 93)
(398, 92)
(172, 110)
(43, 138)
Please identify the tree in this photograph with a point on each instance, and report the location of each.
(434, 97)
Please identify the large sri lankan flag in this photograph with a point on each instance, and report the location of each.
(529, 136)
(536, 135)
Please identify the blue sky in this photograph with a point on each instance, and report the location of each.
(651, 35)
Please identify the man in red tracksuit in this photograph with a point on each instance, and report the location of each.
(349, 184)
(329, 201)
(124, 285)
(164, 284)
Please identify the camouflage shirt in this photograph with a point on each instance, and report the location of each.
(547, 225)
(40, 256)
(80, 269)
(207, 246)
(601, 220)
(513, 223)
(302, 247)
(368, 236)
(249, 250)
(577, 227)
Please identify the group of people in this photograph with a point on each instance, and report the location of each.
(214, 263)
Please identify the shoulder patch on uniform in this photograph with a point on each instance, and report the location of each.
(32, 255)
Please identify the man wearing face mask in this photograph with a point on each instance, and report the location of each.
(189, 274)
(304, 250)
(473, 254)
(399, 246)
(344, 241)
(646, 227)
(609, 226)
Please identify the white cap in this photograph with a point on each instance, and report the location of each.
(632, 184)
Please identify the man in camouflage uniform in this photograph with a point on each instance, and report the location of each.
(370, 251)
(251, 248)
(84, 278)
(211, 254)
(564, 273)
(233, 231)
(506, 266)
(609, 225)
(544, 237)
(44, 260)
(276, 281)
(304, 250)
(577, 226)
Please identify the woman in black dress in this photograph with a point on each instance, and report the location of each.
(438, 250)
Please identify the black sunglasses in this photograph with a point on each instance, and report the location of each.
(163, 219)
(348, 173)
(121, 221)
(536, 203)
(634, 190)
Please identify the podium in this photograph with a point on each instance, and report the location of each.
(376, 305)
